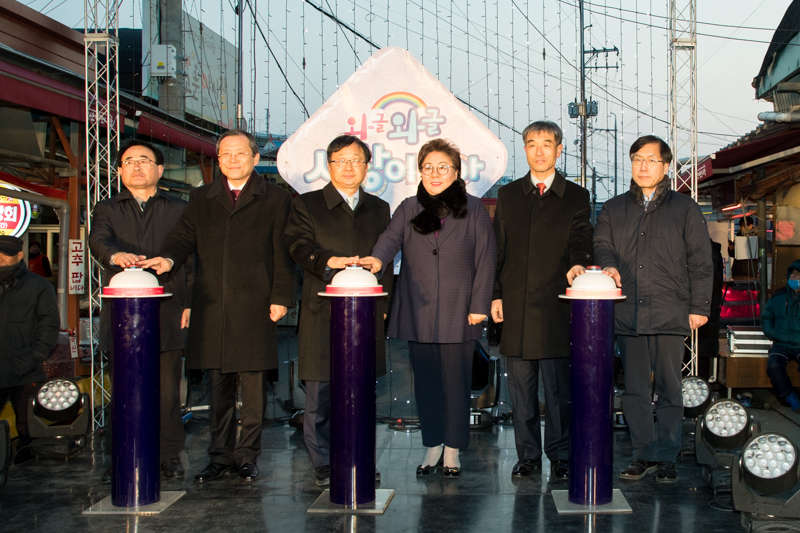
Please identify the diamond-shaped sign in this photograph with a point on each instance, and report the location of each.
(394, 105)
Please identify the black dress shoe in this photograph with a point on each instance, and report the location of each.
(105, 479)
(213, 471)
(559, 469)
(322, 475)
(526, 467)
(451, 471)
(172, 468)
(248, 472)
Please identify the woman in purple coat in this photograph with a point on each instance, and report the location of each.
(443, 296)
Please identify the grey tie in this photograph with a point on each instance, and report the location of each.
(352, 201)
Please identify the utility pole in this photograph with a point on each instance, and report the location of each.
(614, 131)
(582, 105)
(594, 195)
(240, 70)
(584, 109)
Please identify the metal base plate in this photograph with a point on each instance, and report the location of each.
(618, 504)
(323, 504)
(105, 506)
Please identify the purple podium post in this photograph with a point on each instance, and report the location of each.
(591, 444)
(353, 295)
(135, 413)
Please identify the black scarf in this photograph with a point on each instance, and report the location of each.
(7, 273)
(435, 208)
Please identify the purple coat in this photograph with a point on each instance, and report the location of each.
(442, 279)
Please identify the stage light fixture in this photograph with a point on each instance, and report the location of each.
(726, 424)
(767, 467)
(696, 396)
(769, 463)
(56, 421)
(57, 400)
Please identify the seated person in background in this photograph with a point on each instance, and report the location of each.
(781, 324)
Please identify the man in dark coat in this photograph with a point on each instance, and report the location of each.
(243, 286)
(654, 243)
(327, 229)
(544, 240)
(29, 331)
(126, 228)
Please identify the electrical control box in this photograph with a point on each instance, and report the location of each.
(163, 61)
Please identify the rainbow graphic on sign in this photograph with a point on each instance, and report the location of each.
(399, 97)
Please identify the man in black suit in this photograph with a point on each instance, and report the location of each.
(544, 240)
(244, 284)
(327, 229)
(126, 228)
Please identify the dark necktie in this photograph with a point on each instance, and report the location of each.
(541, 188)
(236, 195)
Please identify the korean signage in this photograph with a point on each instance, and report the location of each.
(14, 214)
(395, 105)
(77, 268)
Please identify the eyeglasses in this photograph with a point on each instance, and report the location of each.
(237, 155)
(650, 162)
(142, 163)
(341, 163)
(441, 169)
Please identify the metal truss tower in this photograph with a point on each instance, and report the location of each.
(683, 111)
(102, 141)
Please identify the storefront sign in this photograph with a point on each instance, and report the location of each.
(395, 105)
(77, 268)
(15, 215)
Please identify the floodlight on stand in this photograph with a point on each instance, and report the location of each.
(57, 400)
(696, 396)
(767, 468)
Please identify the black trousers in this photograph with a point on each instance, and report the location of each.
(523, 388)
(20, 395)
(662, 355)
(223, 448)
(173, 436)
(317, 422)
(442, 382)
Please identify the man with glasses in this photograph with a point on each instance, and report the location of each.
(245, 282)
(125, 229)
(327, 229)
(544, 240)
(654, 243)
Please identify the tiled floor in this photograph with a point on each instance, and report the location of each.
(51, 495)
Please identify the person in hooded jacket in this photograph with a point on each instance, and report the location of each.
(781, 324)
(29, 330)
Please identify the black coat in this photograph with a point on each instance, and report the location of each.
(28, 328)
(663, 255)
(321, 226)
(539, 238)
(243, 267)
(120, 225)
(442, 279)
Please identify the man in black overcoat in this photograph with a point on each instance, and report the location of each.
(125, 229)
(243, 286)
(544, 240)
(327, 229)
